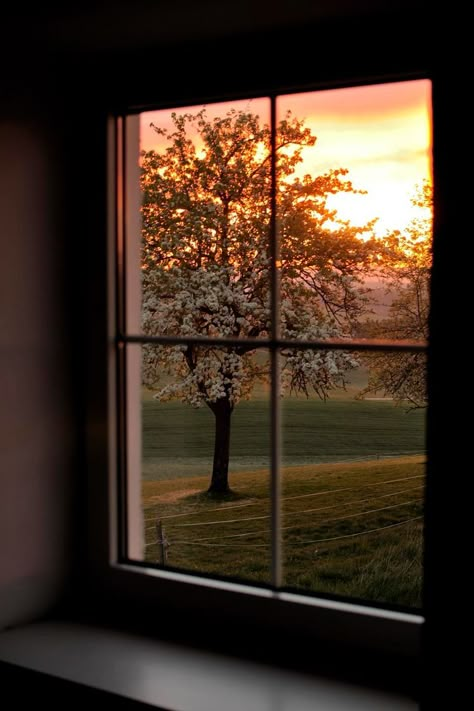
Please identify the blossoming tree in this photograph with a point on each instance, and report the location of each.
(407, 271)
(206, 256)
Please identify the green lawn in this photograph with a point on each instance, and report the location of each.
(178, 440)
(351, 530)
(352, 480)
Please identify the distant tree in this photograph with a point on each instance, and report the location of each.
(205, 264)
(407, 270)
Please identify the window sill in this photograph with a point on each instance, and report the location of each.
(170, 676)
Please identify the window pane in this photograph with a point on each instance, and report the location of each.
(205, 206)
(354, 228)
(355, 212)
(205, 460)
(353, 473)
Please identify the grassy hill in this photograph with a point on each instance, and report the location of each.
(352, 494)
(350, 530)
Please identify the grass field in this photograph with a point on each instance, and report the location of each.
(349, 529)
(352, 498)
(178, 440)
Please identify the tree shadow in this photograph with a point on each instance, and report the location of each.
(206, 496)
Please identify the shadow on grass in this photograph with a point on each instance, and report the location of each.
(205, 496)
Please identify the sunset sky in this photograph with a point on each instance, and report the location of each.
(380, 133)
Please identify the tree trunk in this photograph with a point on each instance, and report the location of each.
(222, 410)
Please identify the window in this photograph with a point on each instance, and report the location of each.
(271, 345)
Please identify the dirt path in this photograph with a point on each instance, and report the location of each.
(171, 496)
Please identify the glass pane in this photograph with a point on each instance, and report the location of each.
(205, 460)
(353, 474)
(205, 194)
(355, 212)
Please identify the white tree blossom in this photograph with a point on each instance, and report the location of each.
(206, 263)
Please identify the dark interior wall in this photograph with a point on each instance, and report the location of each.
(53, 128)
(38, 428)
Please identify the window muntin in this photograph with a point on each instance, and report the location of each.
(411, 347)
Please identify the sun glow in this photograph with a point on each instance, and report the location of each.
(380, 133)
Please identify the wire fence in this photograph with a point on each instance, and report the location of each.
(170, 537)
(292, 513)
(245, 487)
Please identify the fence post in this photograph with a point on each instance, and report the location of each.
(162, 544)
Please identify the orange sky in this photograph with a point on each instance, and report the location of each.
(380, 133)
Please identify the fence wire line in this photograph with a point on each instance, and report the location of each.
(328, 520)
(301, 543)
(196, 513)
(369, 457)
(308, 525)
(200, 541)
(291, 498)
(353, 488)
(320, 508)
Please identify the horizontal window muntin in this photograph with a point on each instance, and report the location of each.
(326, 344)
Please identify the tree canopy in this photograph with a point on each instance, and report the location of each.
(206, 258)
